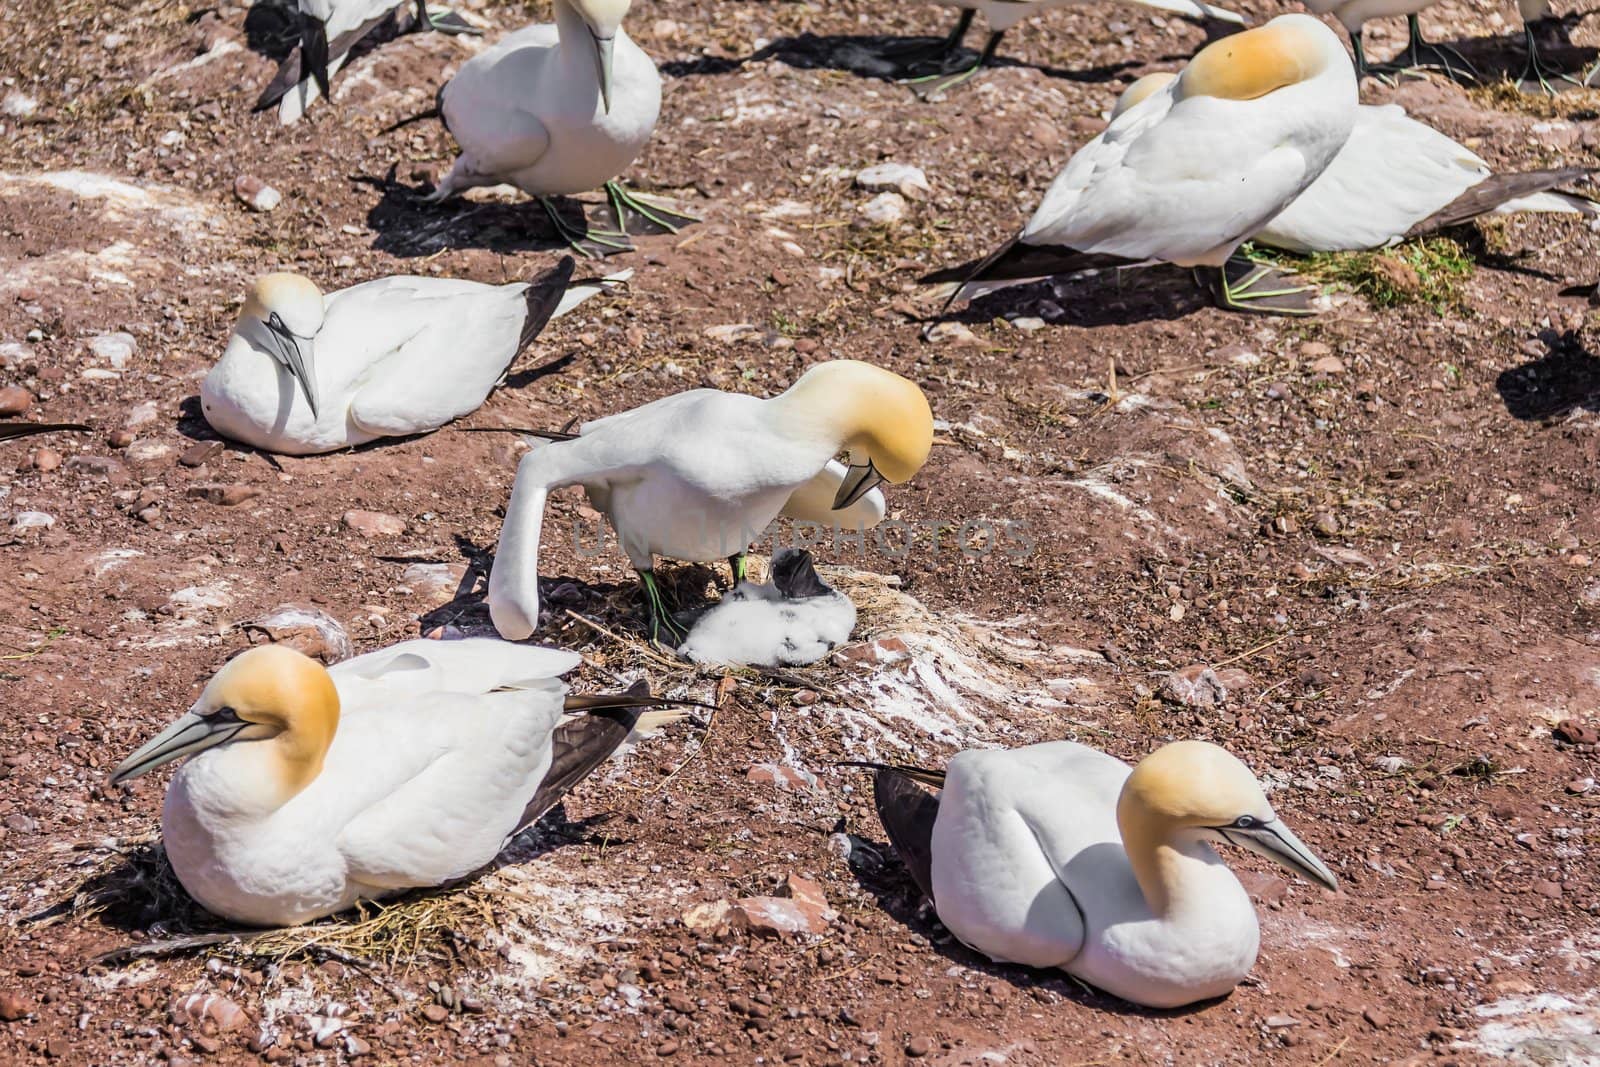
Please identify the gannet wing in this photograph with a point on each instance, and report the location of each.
(1508, 193)
(289, 71)
(813, 502)
(475, 665)
(12, 430)
(447, 369)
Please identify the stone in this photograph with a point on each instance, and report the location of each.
(226, 496)
(199, 1008)
(435, 1013)
(1376, 1017)
(147, 451)
(305, 629)
(374, 523)
(436, 581)
(1194, 686)
(708, 917)
(776, 916)
(918, 1047)
(1328, 365)
(114, 348)
(884, 209)
(1325, 524)
(955, 333)
(198, 453)
(256, 194)
(119, 438)
(32, 520)
(13, 1007)
(1280, 1022)
(908, 181)
(20, 823)
(46, 460)
(733, 331)
(15, 400)
(782, 776)
(1546, 888)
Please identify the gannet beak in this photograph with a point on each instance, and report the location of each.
(314, 50)
(190, 734)
(1277, 843)
(296, 356)
(859, 480)
(602, 51)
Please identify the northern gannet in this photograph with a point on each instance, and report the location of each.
(1397, 178)
(1354, 14)
(791, 622)
(307, 788)
(559, 109)
(305, 373)
(1192, 171)
(698, 476)
(329, 29)
(1058, 855)
(1001, 15)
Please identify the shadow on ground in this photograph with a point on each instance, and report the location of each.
(1565, 379)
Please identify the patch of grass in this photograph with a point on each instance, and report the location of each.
(1572, 103)
(1427, 271)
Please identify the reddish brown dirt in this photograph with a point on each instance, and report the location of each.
(1399, 553)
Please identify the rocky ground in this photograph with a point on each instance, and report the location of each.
(1357, 550)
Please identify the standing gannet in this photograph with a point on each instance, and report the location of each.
(1058, 855)
(329, 29)
(1397, 178)
(1193, 170)
(310, 788)
(1354, 14)
(305, 373)
(1001, 15)
(559, 109)
(698, 476)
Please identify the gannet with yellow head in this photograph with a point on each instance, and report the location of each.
(1060, 856)
(306, 789)
(698, 476)
(556, 109)
(1197, 167)
(306, 373)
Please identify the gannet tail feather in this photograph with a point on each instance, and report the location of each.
(12, 430)
(1014, 261)
(908, 810)
(1530, 191)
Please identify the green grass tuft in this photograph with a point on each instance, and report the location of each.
(1429, 271)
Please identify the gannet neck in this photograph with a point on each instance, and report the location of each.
(1244, 66)
(1174, 866)
(294, 707)
(876, 415)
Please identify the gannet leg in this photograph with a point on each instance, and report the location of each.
(1258, 288)
(1421, 54)
(662, 218)
(592, 244)
(658, 618)
(448, 23)
(933, 86)
(736, 564)
(1535, 71)
(910, 55)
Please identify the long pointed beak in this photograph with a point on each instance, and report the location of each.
(314, 50)
(602, 51)
(295, 354)
(190, 734)
(859, 480)
(1278, 843)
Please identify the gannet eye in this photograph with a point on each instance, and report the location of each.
(1244, 822)
(224, 714)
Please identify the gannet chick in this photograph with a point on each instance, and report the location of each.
(1354, 14)
(307, 789)
(791, 622)
(305, 373)
(1058, 855)
(1397, 178)
(559, 109)
(1001, 15)
(329, 30)
(698, 476)
(1196, 168)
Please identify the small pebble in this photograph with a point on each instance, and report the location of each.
(256, 194)
(15, 400)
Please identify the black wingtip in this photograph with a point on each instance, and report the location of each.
(12, 430)
(1497, 189)
(543, 296)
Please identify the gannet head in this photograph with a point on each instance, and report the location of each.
(290, 310)
(271, 694)
(1244, 66)
(1197, 786)
(1142, 90)
(604, 19)
(880, 418)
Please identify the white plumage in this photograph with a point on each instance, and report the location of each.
(390, 357)
(775, 624)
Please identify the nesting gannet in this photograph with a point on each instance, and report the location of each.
(1192, 171)
(558, 109)
(306, 373)
(1058, 855)
(307, 789)
(698, 476)
(1397, 178)
(1354, 14)
(1001, 15)
(329, 30)
(791, 622)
